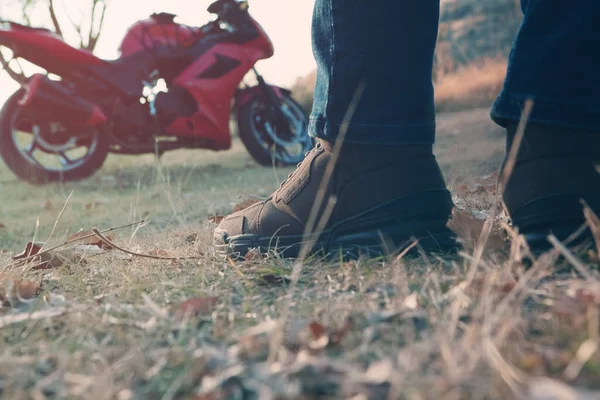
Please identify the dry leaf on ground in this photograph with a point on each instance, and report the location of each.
(217, 219)
(242, 205)
(317, 330)
(12, 290)
(197, 306)
(91, 240)
(46, 260)
(314, 335)
(31, 249)
(57, 259)
(469, 228)
(246, 202)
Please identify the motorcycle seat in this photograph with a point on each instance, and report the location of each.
(125, 73)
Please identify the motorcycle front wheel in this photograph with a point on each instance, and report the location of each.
(279, 141)
(45, 152)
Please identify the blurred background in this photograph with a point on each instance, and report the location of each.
(474, 39)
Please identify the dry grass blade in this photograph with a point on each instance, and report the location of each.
(503, 178)
(279, 334)
(328, 173)
(112, 244)
(511, 158)
(12, 319)
(37, 254)
(593, 223)
(58, 219)
(583, 355)
(570, 257)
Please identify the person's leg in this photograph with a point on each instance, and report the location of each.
(553, 62)
(386, 182)
(388, 45)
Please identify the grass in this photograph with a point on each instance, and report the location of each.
(114, 325)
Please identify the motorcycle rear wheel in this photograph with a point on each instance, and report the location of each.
(41, 168)
(268, 143)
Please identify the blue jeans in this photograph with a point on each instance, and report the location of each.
(389, 44)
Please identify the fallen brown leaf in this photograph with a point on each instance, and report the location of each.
(242, 205)
(12, 290)
(217, 219)
(314, 335)
(197, 306)
(317, 330)
(57, 259)
(31, 249)
(47, 260)
(245, 203)
(469, 228)
(2, 226)
(91, 240)
(253, 254)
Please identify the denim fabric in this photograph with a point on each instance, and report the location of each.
(388, 45)
(554, 61)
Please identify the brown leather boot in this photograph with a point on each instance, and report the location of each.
(385, 196)
(555, 169)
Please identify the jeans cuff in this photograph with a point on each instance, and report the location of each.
(545, 111)
(403, 134)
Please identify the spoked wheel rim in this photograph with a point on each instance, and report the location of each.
(286, 144)
(49, 146)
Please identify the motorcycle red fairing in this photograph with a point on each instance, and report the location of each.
(202, 67)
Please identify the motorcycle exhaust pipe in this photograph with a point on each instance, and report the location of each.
(51, 100)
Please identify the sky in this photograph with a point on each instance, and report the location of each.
(286, 21)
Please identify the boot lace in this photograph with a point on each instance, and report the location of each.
(317, 146)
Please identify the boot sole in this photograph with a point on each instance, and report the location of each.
(375, 233)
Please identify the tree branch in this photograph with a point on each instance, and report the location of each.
(54, 18)
(18, 77)
(94, 34)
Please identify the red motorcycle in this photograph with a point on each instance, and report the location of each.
(174, 86)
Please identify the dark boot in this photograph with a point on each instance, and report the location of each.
(385, 195)
(554, 171)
